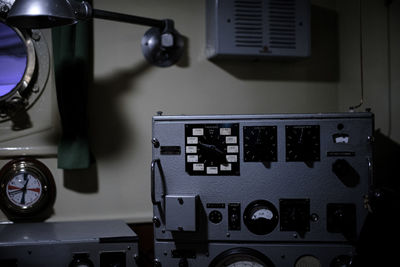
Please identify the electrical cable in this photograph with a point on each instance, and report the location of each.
(352, 108)
(389, 55)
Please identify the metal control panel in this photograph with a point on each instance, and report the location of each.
(86, 243)
(295, 179)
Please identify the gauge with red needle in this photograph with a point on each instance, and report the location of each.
(27, 190)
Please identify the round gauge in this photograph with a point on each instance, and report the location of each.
(308, 260)
(260, 217)
(27, 190)
(260, 143)
(24, 190)
(212, 149)
(239, 257)
(302, 143)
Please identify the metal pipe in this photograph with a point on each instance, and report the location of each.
(107, 15)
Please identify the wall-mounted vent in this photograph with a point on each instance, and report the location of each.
(282, 24)
(258, 28)
(248, 21)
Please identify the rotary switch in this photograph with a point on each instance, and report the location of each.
(215, 216)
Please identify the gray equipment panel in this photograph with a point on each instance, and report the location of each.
(60, 243)
(258, 29)
(278, 255)
(178, 207)
(297, 178)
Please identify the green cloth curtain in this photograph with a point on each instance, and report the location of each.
(73, 64)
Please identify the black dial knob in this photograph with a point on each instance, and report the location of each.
(346, 173)
(215, 216)
(342, 261)
(81, 260)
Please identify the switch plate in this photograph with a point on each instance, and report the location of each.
(180, 212)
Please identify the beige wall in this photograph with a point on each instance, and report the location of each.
(381, 91)
(129, 92)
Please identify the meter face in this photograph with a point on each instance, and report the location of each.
(24, 190)
(212, 149)
(27, 190)
(13, 59)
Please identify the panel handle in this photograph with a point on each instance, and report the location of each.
(153, 178)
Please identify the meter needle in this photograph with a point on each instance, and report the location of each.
(24, 188)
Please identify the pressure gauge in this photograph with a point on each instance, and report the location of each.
(27, 190)
(212, 149)
(238, 257)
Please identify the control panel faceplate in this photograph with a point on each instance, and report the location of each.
(265, 177)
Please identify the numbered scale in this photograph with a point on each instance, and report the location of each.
(27, 190)
(212, 149)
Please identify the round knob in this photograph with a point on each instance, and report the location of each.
(81, 261)
(342, 261)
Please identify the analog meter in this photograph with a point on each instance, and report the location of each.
(260, 143)
(27, 190)
(238, 257)
(303, 143)
(261, 217)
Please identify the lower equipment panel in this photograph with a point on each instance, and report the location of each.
(250, 254)
(284, 185)
(72, 244)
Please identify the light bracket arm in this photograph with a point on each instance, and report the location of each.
(83, 10)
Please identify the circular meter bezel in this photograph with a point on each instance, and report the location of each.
(39, 209)
(35, 76)
(235, 255)
(254, 226)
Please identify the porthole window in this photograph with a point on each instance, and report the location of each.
(24, 64)
(13, 59)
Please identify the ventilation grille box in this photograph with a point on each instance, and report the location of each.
(258, 28)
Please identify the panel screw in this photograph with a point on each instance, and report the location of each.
(156, 222)
(5, 9)
(157, 263)
(155, 143)
(35, 36)
(314, 217)
(35, 89)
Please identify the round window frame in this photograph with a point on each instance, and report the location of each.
(36, 73)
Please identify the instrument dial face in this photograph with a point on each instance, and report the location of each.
(303, 143)
(260, 143)
(261, 217)
(27, 190)
(243, 261)
(212, 149)
(241, 257)
(24, 190)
